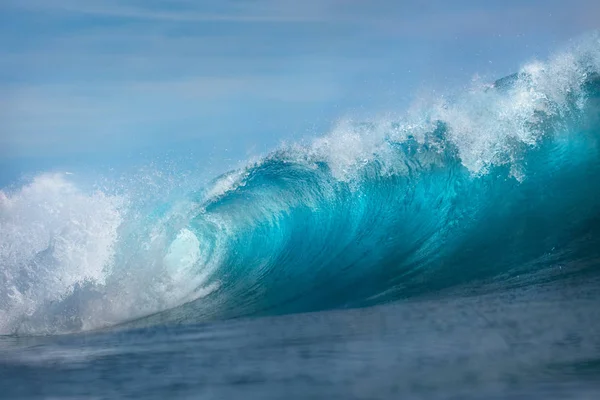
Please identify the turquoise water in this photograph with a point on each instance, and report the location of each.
(449, 251)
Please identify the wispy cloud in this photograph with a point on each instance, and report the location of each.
(182, 11)
(81, 76)
(67, 117)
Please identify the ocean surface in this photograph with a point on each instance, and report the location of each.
(451, 251)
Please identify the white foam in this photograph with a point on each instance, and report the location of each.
(52, 237)
(481, 123)
(78, 260)
(226, 183)
(349, 146)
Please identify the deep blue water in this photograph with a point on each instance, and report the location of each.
(536, 342)
(451, 252)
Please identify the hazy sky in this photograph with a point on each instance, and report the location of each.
(105, 80)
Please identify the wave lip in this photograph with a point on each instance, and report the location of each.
(496, 186)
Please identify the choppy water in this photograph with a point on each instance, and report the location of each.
(469, 228)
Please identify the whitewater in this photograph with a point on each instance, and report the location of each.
(471, 221)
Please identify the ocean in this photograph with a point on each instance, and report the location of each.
(451, 251)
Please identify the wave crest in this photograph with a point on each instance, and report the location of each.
(492, 185)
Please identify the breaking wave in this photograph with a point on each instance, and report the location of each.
(497, 186)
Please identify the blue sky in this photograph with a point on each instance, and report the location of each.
(103, 81)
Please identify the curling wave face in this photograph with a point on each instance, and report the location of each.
(497, 187)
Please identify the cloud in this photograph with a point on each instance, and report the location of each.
(78, 75)
(65, 117)
(179, 11)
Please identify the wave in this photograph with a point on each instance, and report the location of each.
(497, 186)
